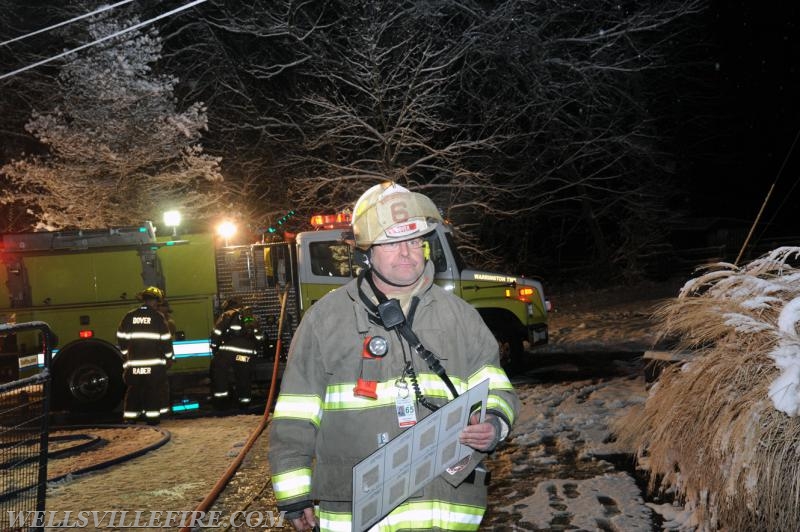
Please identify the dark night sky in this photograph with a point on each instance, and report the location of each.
(753, 131)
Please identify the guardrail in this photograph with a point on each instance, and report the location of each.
(24, 437)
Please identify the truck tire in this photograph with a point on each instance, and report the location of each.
(511, 350)
(88, 382)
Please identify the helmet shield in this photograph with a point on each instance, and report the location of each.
(390, 213)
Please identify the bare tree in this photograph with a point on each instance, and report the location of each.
(517, 112)
(118, 149)
(535, 125)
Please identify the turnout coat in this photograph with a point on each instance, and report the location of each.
(321, 429)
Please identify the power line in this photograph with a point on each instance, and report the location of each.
(102, 39)
(54, 26)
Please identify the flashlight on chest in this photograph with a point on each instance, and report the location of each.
(375, 347)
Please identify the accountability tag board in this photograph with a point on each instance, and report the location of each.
(387, 477)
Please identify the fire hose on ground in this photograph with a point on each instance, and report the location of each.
(223, 481)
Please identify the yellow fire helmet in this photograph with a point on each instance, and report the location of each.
(388, 212)
(152, 292)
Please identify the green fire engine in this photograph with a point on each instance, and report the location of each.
(81, 283)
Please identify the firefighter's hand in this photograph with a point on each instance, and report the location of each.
(480, 436)
(307, 521)
(170, 362)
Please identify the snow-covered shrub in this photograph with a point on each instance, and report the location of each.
(722, 430)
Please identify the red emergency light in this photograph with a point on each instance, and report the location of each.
(330, 221)
(86, 333)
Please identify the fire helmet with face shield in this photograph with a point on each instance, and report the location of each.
(388, 212)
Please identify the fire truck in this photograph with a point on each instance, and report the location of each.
(82, 282)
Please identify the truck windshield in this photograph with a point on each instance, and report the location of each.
(335, 259)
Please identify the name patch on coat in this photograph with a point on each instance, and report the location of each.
(141, 371)
(141, 320)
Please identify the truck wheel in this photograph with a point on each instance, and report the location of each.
(511, 350)
(90, 383)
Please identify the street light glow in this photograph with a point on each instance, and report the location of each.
(226, 229)
(172, 218)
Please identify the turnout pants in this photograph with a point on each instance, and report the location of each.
(148, 392)
(226, 363)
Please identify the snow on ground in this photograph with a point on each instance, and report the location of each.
(562, 437)
(608, 502)
(562, 422)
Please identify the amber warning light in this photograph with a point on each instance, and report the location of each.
(330, 221)
(524, 294)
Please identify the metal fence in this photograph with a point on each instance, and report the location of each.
(24, 436)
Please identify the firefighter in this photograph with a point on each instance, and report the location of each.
(235, 342)
(353, 381)
(146, 344)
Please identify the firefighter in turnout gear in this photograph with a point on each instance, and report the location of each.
(234, 342)
(356, 379)
(146, 344)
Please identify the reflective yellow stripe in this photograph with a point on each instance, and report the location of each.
(433, 386)
(144, 336)
(429, 514)
(145, 362)
(498, 381)
(292, 483)
(341, 396)
(234, 349)
(303, 407)
(499, 404)
(335, 521)
(413, 516)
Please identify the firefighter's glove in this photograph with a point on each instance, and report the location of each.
(301, 515)
(500, 431)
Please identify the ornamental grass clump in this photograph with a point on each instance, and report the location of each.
(721, 431)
